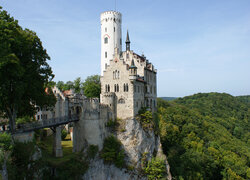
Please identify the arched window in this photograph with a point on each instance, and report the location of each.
(121, 101)
(108, 88)
(117, 88)
(127, 87)
(106, 40)
(124, 87)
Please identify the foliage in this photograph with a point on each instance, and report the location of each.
(68, 85)
(70, 166)
(206, 136)
(22, 165)
(112, 125)
(23, 120)
(5, 142)
(155, 169)
(92, 151)
(112, 152)
(24, 71)
(146, 119)
(92, 86)
(64, 134)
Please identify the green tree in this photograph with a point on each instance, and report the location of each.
(5, 150)
(77, 85)
(92, 86)
(24, 71)
(60, 85)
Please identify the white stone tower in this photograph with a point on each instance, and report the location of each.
(111, 36)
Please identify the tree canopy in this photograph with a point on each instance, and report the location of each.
(24, 71)
(91, 87)
(206, 136)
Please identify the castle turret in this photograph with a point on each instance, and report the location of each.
(111, 37)
(127, 42)
(132, 71)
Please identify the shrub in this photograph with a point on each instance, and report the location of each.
(156, 169)
(112, 152)
(23, 120)
(64, 134)
(146, 119)
(92, 151)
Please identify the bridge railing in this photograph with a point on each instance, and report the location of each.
(48, 123)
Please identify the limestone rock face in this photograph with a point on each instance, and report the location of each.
(137, 144)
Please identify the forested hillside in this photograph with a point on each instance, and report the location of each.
(206, 136)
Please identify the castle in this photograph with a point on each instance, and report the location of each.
(128, 80)
(128, 83)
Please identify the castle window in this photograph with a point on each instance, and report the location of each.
(106, 54)
(105, 29)
(106, 65)
(127, 87)
(121, 101)
(124, 87)
(105, 40)
(117, 88)
(108, 88)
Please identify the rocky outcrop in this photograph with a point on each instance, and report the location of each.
(137, 144)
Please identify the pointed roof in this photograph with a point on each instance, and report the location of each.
(132, 65)
(127, 39)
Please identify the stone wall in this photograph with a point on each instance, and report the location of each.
(91, 128)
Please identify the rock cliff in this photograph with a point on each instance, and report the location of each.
(138, 144)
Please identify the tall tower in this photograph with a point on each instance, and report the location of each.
(111, 36)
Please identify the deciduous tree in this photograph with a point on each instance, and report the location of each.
(24, 71)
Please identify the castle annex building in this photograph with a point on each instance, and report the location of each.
(128, 80)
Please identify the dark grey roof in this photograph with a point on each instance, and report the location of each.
(127, 39)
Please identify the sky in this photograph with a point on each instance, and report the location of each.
(195, 45)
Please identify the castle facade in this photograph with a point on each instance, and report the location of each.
(128, 80)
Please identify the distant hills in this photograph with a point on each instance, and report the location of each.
(168, 98)
(206, 135)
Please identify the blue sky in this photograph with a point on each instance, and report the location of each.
(196, 45)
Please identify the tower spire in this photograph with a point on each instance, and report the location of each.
(127, 42)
